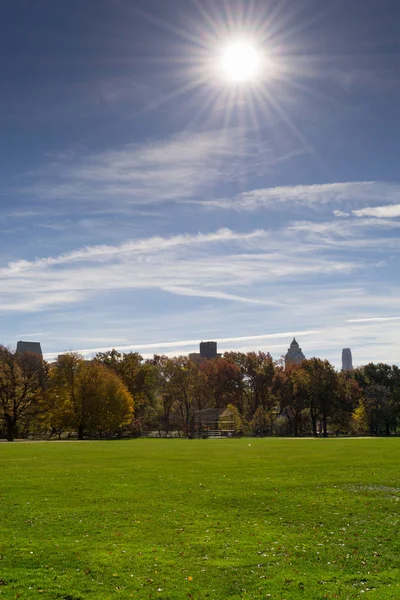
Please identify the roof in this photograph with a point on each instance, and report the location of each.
(208, 415)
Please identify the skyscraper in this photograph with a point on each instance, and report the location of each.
(347, 360)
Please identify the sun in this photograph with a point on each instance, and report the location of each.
(240, 61)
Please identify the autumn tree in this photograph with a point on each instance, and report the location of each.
(220, 382)
(104, 402)
(236, 418)
(140, 377)
(23, 383)
(93, 395)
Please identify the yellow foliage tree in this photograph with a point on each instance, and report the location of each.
(89, 396)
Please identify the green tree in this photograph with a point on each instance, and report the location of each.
(380, 384)
(179, 381)
(321, 385)
(261, 422)
(257, 371)
(290, 388)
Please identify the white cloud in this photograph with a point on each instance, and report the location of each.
(175, 169)
(366, 233)
(369, 342)
(146, 246)
(373, 320)
(355, 193)
(200, 293)
(341, 213)
(223, 265)
(382, 212)
(185, 344)
(304, 277)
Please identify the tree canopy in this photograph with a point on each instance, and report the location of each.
(115, 394)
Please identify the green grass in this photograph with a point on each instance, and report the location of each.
(196, 519)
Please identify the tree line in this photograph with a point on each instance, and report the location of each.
(118, 394)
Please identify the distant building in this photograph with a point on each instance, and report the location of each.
(347, 360)
(294, 355)
(208, 349)
(32, 347)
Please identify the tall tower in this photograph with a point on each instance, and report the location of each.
(347, 360)
(294, 355)
(208, 349)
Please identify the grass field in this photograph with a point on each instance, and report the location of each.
(186, 519)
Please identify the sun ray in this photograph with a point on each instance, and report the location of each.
(295, 130)
(232, 62)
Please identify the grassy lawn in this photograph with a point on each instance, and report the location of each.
(194, 519)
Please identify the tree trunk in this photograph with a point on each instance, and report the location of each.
(314, 425)
(10, 431)
(324, 426)
(80, 432)
(289, 420)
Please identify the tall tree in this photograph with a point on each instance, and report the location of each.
(104, 402)
(179, 377)
(322, 387)
(94, 396)
(380, 384)
(23, 383)
(139, 376)
(257, 371)
(290, 388)
(220, 381)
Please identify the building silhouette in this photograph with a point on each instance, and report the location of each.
(208, 349)
(347, 360)
(294, 355)
(32, 347)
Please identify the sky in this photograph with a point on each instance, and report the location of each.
(147, 202)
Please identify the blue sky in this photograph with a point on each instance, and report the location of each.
(147, 203)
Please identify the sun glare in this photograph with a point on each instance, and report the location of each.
(240, 62)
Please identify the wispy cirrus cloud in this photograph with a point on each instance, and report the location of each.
(381, 212)
(184, 344)
(348, 194)
(351, 233)
(373, 320)
(173, 169)
(223, 265)
(145, 246)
